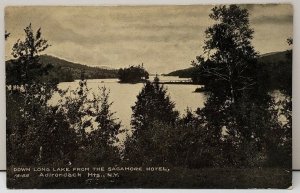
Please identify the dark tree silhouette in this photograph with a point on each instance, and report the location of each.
(230, 58)
(94, 123)
(237, 113)
(32, 125)
(152, 103)
(103, 140)
(133, 74)
(26, 67)
(152, 109)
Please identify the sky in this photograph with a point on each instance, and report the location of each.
(163, 38)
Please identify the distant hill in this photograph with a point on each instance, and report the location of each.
(275, 72)
(65, 71)
(273, 57)
(75, 68)
(184, 73)
(269, 58)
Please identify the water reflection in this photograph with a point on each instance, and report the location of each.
(123, 95)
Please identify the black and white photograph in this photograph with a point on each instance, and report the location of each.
(149, 96)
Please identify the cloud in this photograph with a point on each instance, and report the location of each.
(251, 7)
(165, 38)
(284, 19)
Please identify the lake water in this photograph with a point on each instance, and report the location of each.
(123, 95)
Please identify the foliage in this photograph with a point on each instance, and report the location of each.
(133, 74)
(238, 115)
(26, 67)
(229, 74)
(71, 69)
(152, 120)
(40, 133)
(27, 102)
(64, 71)
(274, 71)
(279, 138)
(231, 58)
(152, 103)
(96, 128)
(239, 126)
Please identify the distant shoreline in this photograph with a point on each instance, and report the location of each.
(178, 83)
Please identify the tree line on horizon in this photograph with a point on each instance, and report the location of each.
(133, 74)
(275, 67)
(237, 128)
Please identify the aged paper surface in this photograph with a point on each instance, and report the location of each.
(194, 96)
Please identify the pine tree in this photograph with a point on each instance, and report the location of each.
(152, 110)
(152, 103)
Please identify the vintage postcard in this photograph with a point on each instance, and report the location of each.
(189, 96)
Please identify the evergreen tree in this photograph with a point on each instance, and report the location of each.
(152, 103)
(152, 121)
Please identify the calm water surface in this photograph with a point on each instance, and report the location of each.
(123, 95)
